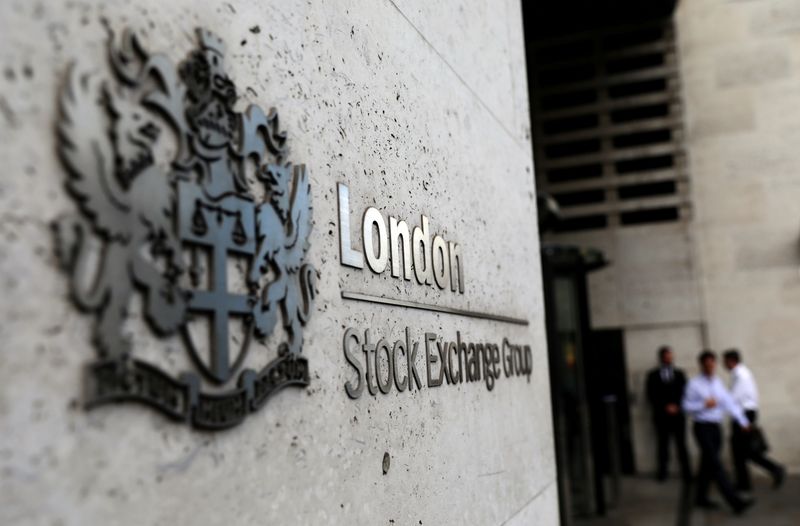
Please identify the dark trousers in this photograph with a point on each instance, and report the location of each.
(709, 439)
(672, 427)
(740, 448)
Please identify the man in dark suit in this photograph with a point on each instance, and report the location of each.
(665, 385)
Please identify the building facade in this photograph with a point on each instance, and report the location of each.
(721, 270)
(393, 393)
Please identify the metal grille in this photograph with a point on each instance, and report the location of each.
(608, 127)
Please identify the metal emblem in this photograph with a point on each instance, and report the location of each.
(174, 186)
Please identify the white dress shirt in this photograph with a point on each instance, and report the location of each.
(700, 389)
(743, 388)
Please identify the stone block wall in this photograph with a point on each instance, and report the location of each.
(740, 64)
(420, 108)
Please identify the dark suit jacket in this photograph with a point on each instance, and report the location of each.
(660, 393)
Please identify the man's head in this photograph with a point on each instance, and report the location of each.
(708, 362)
(665, 355)
(731, 358)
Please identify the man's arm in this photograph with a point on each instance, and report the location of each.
(693, 401)
(736, 386)
(746, 391)
(730, 406)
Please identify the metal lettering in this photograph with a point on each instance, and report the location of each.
(458, 362)
(508, 360)
(517, 359)
(349, 256)
(372, 217)
(352, 359)
(441, 262)
(456, 268)
(442, 347)
(528, 362)
(422, 258)
(398, 232)
(463, 357)
(452, 350)
(432, 260)
(474, 363)
(369, 348)
(430, 359)
(385, 387)
(411, 352)
(400, 384)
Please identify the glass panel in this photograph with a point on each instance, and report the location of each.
(575, 410)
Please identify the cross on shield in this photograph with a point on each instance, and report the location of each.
(222, 227)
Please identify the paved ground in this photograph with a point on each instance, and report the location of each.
(644, 502)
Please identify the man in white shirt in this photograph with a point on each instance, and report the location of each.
(745, 392)
(707, 400)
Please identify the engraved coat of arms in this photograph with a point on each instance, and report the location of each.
(174, 188)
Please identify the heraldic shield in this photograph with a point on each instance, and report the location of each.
(222, 226)
(172, 184)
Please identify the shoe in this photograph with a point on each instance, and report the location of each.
(743, 506)
(780, 476)
(706, 505)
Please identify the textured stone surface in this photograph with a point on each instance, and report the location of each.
(482, 63)
(746, 194)
(781, 17)
(368, 100)
(650, 278)
(752, 65)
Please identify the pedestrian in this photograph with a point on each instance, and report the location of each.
(665, 385)
(745, 392)
(707, 400)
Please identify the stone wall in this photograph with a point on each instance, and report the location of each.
(740, 66)
(420, 108)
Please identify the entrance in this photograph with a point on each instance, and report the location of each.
(591, 418)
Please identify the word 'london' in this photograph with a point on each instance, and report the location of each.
(437, 262)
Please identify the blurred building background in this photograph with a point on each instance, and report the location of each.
(668, 134)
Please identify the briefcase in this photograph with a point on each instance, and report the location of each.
(758, 442)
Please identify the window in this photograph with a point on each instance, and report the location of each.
(608, 127)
